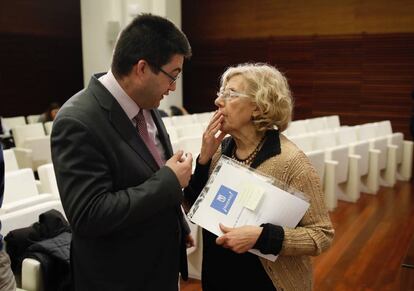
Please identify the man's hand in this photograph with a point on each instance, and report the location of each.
(181, 166)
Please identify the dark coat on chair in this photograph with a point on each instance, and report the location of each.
(124, 210)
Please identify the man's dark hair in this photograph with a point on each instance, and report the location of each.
(151, 38)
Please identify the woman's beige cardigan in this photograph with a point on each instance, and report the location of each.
(292, 271)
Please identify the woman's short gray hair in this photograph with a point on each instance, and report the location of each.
(269, 89)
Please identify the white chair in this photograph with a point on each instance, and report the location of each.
(190, 130)
(26, 216)
(296, 127)
(31, 277)
(304, 141)
(172, 132)
(368, 157)
(34, 118)
(167, 121)
(21, 191)
(40, 150)
(204, 117)
(10, 162)
(182, 120)
(404, 149)
(195, 254)
(48, 180)
(316, 124)
(346, 185)
(11, 122)
(48, 127)
(387, 166)
(325, 167)
(332, 121)
(22, 132)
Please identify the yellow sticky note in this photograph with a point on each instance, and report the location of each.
(251, 195)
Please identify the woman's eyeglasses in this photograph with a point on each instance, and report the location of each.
(229, 94)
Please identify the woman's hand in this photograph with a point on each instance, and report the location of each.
(239, 239)
(210, 142)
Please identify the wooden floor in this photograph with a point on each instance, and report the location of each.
(372, 238)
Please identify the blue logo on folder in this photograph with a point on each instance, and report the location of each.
(224, 199)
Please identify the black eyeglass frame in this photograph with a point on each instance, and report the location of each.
(173, 79)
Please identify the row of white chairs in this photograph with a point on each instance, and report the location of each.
(357, 159)
(10, 122)
(298, 127)
(189, 119)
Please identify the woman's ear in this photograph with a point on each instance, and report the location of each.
(256, 112)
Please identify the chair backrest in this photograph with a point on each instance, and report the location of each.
(167, 121)
(204, 117)
(332, 121)
(11, 122)
(172, 132)
(191, 144)
(296, 127)
(317, 159)
(27, 216)
(48, 179)
(366, 131)
(48, 127)
(304, 142)
(190, 131)
(383, 128)
(10, 162)
(34, 118)
(316, 124)
(41, 151)
(22, 132)
(346, 135)
(182, 120)
(19, 184)
(324, 140)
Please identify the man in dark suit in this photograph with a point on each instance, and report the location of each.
(119, 182)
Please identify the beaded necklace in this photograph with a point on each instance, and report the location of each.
(248, 161)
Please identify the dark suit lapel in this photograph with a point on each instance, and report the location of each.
(121, 123)
(162, 134)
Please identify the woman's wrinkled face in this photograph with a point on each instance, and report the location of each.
(235, 105)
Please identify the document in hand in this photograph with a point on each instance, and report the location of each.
(236, 195)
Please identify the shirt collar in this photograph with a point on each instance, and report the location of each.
(127, 104)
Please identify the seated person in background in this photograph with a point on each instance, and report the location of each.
(50, 113)
(252, 101)
(175, 110)
(162, 113)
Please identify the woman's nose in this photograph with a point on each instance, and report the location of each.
(219, 102)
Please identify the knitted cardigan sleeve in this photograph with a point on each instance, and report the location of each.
(315, 232)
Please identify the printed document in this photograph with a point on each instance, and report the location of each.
(237, 196)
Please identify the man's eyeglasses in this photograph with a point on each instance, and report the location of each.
(173, 79)
(228, 95)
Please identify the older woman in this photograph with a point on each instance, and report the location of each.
(254, 106)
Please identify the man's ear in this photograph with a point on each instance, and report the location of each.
(141, 69)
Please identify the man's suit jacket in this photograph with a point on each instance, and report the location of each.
(124, 210)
